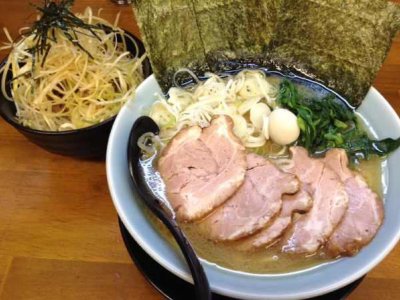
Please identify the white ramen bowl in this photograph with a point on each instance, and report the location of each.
(303, 284)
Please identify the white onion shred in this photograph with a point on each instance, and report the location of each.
(232, 95)
(149, 143)
(71, 90)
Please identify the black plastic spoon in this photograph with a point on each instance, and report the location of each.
(141, 126)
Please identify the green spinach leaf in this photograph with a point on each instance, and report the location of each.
(328, 123)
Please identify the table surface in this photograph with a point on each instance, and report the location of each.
(59, 236)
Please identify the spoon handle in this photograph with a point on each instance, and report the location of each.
(141, 126)
(202, 288)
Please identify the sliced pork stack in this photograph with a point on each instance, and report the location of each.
(300, 202)
(255, 203)
(305, 205)
(330, 202)
(202, 168)
(364, 215)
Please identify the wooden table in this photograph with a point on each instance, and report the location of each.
(59, 237)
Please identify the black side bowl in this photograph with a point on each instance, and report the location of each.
(88, 142)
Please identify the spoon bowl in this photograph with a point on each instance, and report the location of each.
(142, 126)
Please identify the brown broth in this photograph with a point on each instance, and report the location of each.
(263, 261)
(371, 170)
(271, 260)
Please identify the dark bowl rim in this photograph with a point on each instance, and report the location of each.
(14, 123)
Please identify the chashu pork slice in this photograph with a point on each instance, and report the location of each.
(299, 202)
(254, 205)
(330, 201)
(202, 168)
(364, 215)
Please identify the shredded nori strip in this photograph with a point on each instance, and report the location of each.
(56, 14)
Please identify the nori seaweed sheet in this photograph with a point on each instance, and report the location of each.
(235, 30)
(171, 37)
(341, 43)
(204, 35)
